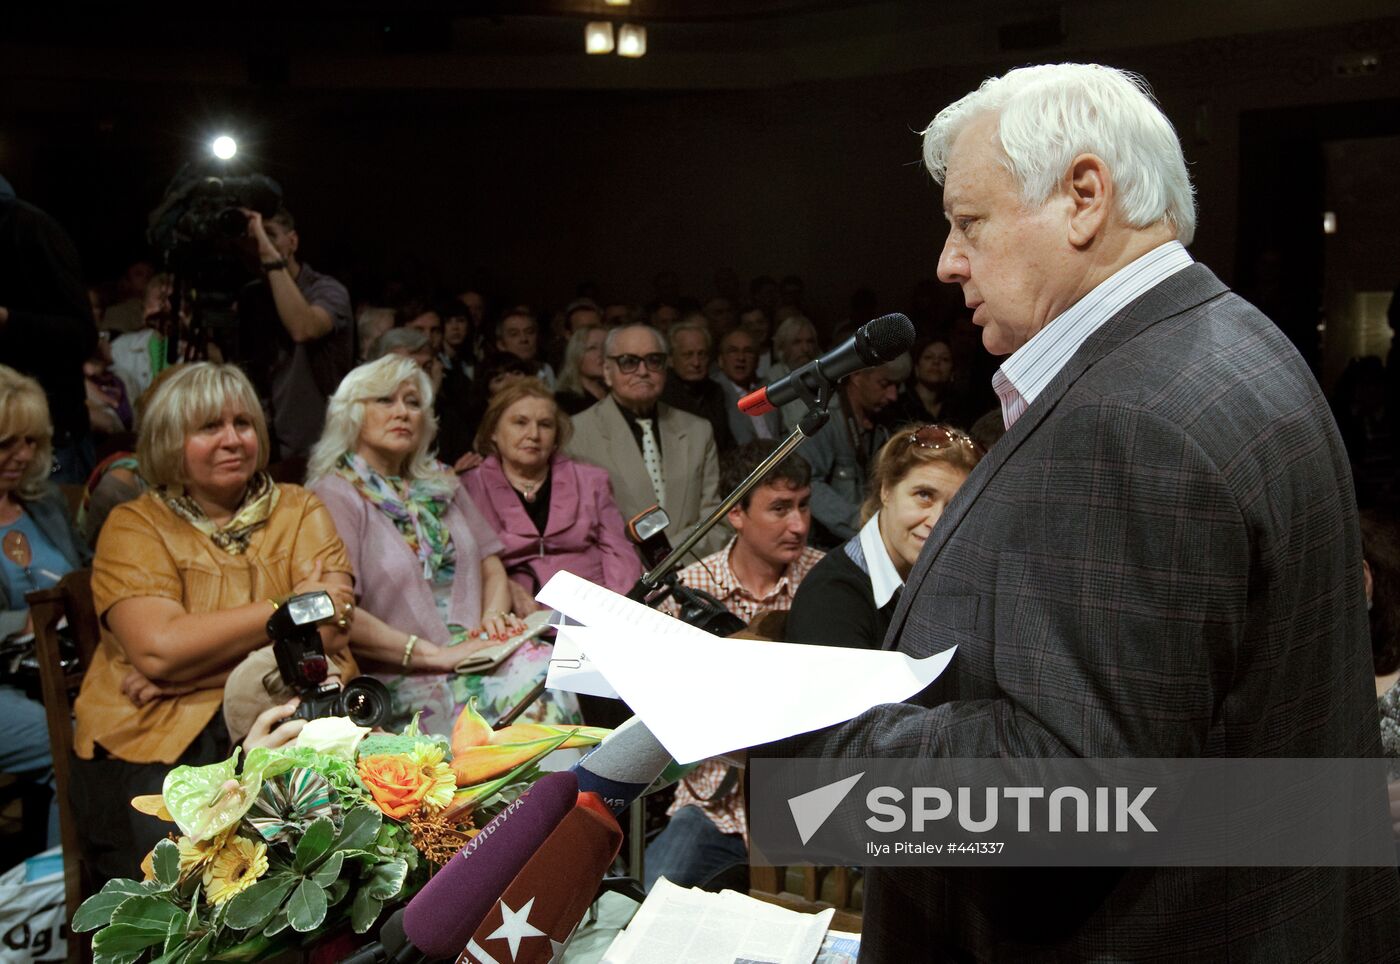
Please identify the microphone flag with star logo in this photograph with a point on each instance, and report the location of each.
(532, 921)
(452, 905)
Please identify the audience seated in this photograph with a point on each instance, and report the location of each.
(654, 453)
(549, 511)
(689, 386)
(738, 356)
(931, 394)
(109, 407)
(758, 322)
(581, 378)
(758, 571)
(850, 596)
(184, 580)
(39, 548)
(518, 334)
(431, 585)
(370, 324)
(842, 453)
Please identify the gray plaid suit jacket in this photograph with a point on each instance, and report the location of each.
(1160, 559)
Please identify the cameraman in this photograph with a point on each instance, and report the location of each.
(311, 343)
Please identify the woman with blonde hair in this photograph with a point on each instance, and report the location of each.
(39, 548)
(432, 589)
(550, 511)
(184, 580)
(581, 377)
(849, 597)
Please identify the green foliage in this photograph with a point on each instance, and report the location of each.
(255, 906)
(315, 842)
(306, 909)
(96, 911)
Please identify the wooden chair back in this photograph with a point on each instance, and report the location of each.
(71, 597)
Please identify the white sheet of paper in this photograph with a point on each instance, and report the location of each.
(570, 670)
(678, 678)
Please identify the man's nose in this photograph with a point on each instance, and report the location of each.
(952, 263)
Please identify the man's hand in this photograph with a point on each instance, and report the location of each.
(256, 231)
(467, 462)
(274, 727)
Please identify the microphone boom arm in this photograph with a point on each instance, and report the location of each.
(818, 406)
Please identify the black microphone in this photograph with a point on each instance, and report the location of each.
(874, 343)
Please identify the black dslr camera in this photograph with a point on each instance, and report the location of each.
(302, 664)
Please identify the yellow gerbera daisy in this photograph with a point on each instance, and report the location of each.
(235, 868)
(440, 780)
(195, 854)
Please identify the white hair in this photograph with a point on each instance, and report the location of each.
(1049, 114)
(791, 327)
(616, 333)
(345, 416)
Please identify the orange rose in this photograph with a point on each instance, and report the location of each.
(397, 785)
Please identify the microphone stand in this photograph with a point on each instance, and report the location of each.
(818, 413)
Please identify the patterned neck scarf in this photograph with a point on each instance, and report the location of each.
(417, 507)
(259, 499)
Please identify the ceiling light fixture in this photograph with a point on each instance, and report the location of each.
(598, 37)
(632, 41)
(618, 3)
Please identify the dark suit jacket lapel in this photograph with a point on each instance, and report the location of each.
(1186, 289)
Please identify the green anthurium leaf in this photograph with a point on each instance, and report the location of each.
(386, 879)
(124, 939)
(277, 924)
(97, 909)
(147, 913)
(314, 842)
(166, 862)
(256, 905)
(205, 801)
(306, 908)
(328, 872)
(364, 911)
(360, 829)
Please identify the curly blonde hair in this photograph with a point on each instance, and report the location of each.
(24, 412)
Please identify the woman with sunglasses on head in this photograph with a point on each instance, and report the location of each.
(849, 597)
(40, 547)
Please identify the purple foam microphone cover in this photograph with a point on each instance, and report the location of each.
(442, 917)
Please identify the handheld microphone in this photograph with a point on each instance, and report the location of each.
(621, 767)
(532, 919)
(874, 343)
(437, 923)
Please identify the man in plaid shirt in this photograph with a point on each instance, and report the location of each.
(758, 571)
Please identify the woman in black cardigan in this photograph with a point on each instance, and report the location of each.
(849, 597)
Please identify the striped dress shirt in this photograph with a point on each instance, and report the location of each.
(1023, 376)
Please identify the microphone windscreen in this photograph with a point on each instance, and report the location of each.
(444, 914)
(621, 767)
(532, 920)
(888, 336)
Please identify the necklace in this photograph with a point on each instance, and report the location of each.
(529, 490)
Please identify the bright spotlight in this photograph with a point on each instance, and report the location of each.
(224, 147)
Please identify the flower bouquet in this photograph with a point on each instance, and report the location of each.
(314, 838)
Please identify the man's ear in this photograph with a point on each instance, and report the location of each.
(293, 241)
(1090, 187)
(737, 518)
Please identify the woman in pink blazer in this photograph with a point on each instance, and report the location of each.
(550, 512)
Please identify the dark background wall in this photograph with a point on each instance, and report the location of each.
(401, 174)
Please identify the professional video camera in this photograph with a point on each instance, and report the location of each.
(302, 664)
(201, 232)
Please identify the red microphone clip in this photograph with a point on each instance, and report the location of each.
(756, 403)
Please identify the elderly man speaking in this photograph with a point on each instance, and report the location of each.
(1160, 559)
